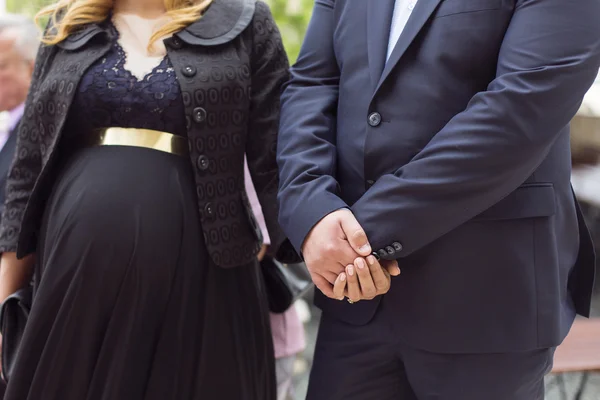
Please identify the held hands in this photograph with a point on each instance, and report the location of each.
(336, 243)
(365, 279)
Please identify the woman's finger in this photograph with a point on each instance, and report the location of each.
(367, 285)
(263, 251)
(339, 288)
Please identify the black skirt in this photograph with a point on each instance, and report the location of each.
(128, 305)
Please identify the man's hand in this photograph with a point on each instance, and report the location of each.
(333, 243)
(365, 282)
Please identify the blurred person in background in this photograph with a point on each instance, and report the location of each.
(287, 328)
(128, 193)
(19, 41)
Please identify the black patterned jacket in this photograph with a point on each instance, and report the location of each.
(230, 65)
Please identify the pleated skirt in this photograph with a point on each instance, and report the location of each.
(128, 305)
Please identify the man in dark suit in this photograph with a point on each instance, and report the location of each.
(19, 41)
(436, 133)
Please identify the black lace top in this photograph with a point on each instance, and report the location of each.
(111, 96)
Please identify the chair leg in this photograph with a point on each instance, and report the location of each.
(582, 385)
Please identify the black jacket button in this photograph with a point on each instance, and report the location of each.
(382, 254)
(397, 246)
(188, 71)
(203, 163)
(176, 43)
(199, 114)
(390, 250)
(209, 211)
(374, 119)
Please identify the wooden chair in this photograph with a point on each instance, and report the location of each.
(580, 352)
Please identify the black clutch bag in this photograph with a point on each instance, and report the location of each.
(14, 313)
(284, 283)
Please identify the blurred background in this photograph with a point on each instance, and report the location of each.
(581, 371)
(292, 16)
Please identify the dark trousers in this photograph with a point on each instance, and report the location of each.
(372, 363)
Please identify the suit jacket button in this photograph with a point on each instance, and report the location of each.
(390, 250)
(199, 114)
(203, 163)
(382, 253)
(397, 246)
(374, 119)
(188, 71)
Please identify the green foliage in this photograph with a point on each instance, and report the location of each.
(292, 16)
(26, 7)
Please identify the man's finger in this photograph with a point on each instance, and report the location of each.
(381, 279)
(391, 267)
(367, 285)
(340, 286)
(331, 277)
(353, 285)
(355, 234)
(324, 286)
(345, 254)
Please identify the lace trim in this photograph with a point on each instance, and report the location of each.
(160, 68)
(111, 95)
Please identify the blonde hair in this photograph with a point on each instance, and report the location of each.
(77, 13)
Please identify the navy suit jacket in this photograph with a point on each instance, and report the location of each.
(454, 156)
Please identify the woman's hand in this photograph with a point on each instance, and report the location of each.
(14, 274)
(262, 252)
(365, 279)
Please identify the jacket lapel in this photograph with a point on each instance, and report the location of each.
(75, 56)
(418, 18)
(379, 22)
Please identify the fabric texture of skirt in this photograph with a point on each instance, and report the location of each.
(128, 305)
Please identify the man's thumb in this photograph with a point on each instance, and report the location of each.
(355, 234)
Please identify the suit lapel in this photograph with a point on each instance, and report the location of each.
(379, 22)
(418, 18)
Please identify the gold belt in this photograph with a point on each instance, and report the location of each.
(150, 139)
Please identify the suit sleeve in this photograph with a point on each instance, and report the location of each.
(269, 72)
(307, 148)
(548, 60)
(27, 162)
